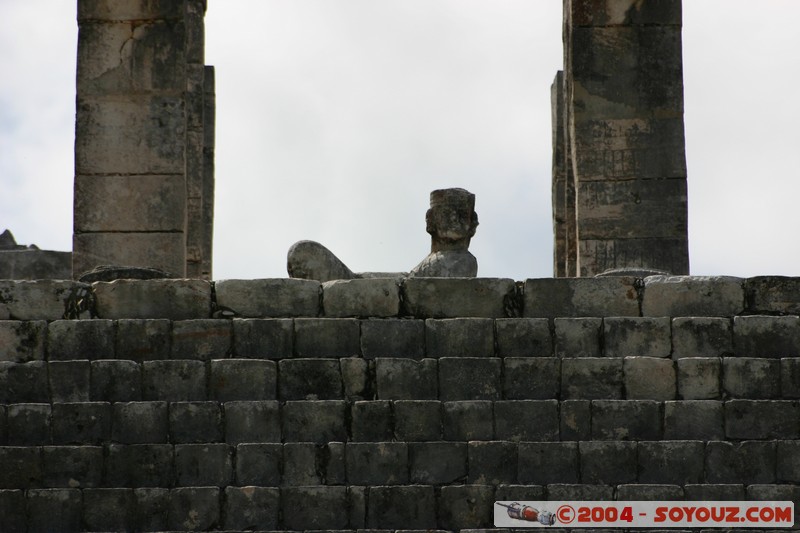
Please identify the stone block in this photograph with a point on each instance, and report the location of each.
(470, 378)
(523, 337)
(766, 336)
(164, 251)
(139, 203)
(377, 463)
(406, 507)
(252, 421)
(152, 506)
(526, 420)
(109, 509)
(583, 492)
(199, 465)
(243, 379)
(576, 420)
(194, 508)
(649, 492)
(436, 463)
(626, 420)
(745, 462)
(642, 337)
(357, 378)
(251, 508)
(28, 424)
(459, 297)
(788, 461)
(591, 378)
(174, 299)
(466, 506)
(649, 378)
(32, 264)
(468, 420)
(327, 337)
(314, 421)
(393, 338)
(460, 337)
(542, 463)
(331, 458)
(692, 296)
(115, 381)
(699, 378)
(531, 378)
(751, 378)
(694, 419)
(417, 420)
(492, 462)
(373, 297)
(195, 422)
(714, 492)
(23, 382)
(12, 511)
(112, 11)
(300, 465)
(773, 294)
(139, 465)
(281, 298)
(3, 428)
(69, 381)
(143, 340)
(81, 423)
(181, 380)
(22, 467)
(607, 462)
(372, 421)
(406, 379)
(581, 297)
(140, 422)
(329, 503)
(671, 462)
(263, 338)
(72, 466)
(203, 339)
(762, 419)
(790, 377)
(140, 134)
(608, 13)
(22, 341)
(54, 509)
(41, 299)
(310, 379)
(259, 464)
(577, 337)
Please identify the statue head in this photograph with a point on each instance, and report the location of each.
(451, 220)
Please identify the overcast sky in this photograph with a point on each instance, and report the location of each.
(336, 118)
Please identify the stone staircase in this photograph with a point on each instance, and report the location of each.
(383, 404)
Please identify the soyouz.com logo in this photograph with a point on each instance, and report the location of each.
(630, 514)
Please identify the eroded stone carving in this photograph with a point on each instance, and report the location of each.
(451, 222)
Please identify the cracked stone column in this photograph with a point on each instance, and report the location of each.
(622, 111)
(143, 136)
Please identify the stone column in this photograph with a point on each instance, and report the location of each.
(140, 135)
(623, 98)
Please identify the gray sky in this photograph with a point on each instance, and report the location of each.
(336, 118)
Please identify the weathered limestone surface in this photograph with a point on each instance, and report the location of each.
(618, 115)
(574, 297)
(140, 137)
(173, 299)
(269, 297)
(692, 296)
(40, 299)
(460, 297)
(377, 297)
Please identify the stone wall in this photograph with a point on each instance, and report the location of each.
(373, 404)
